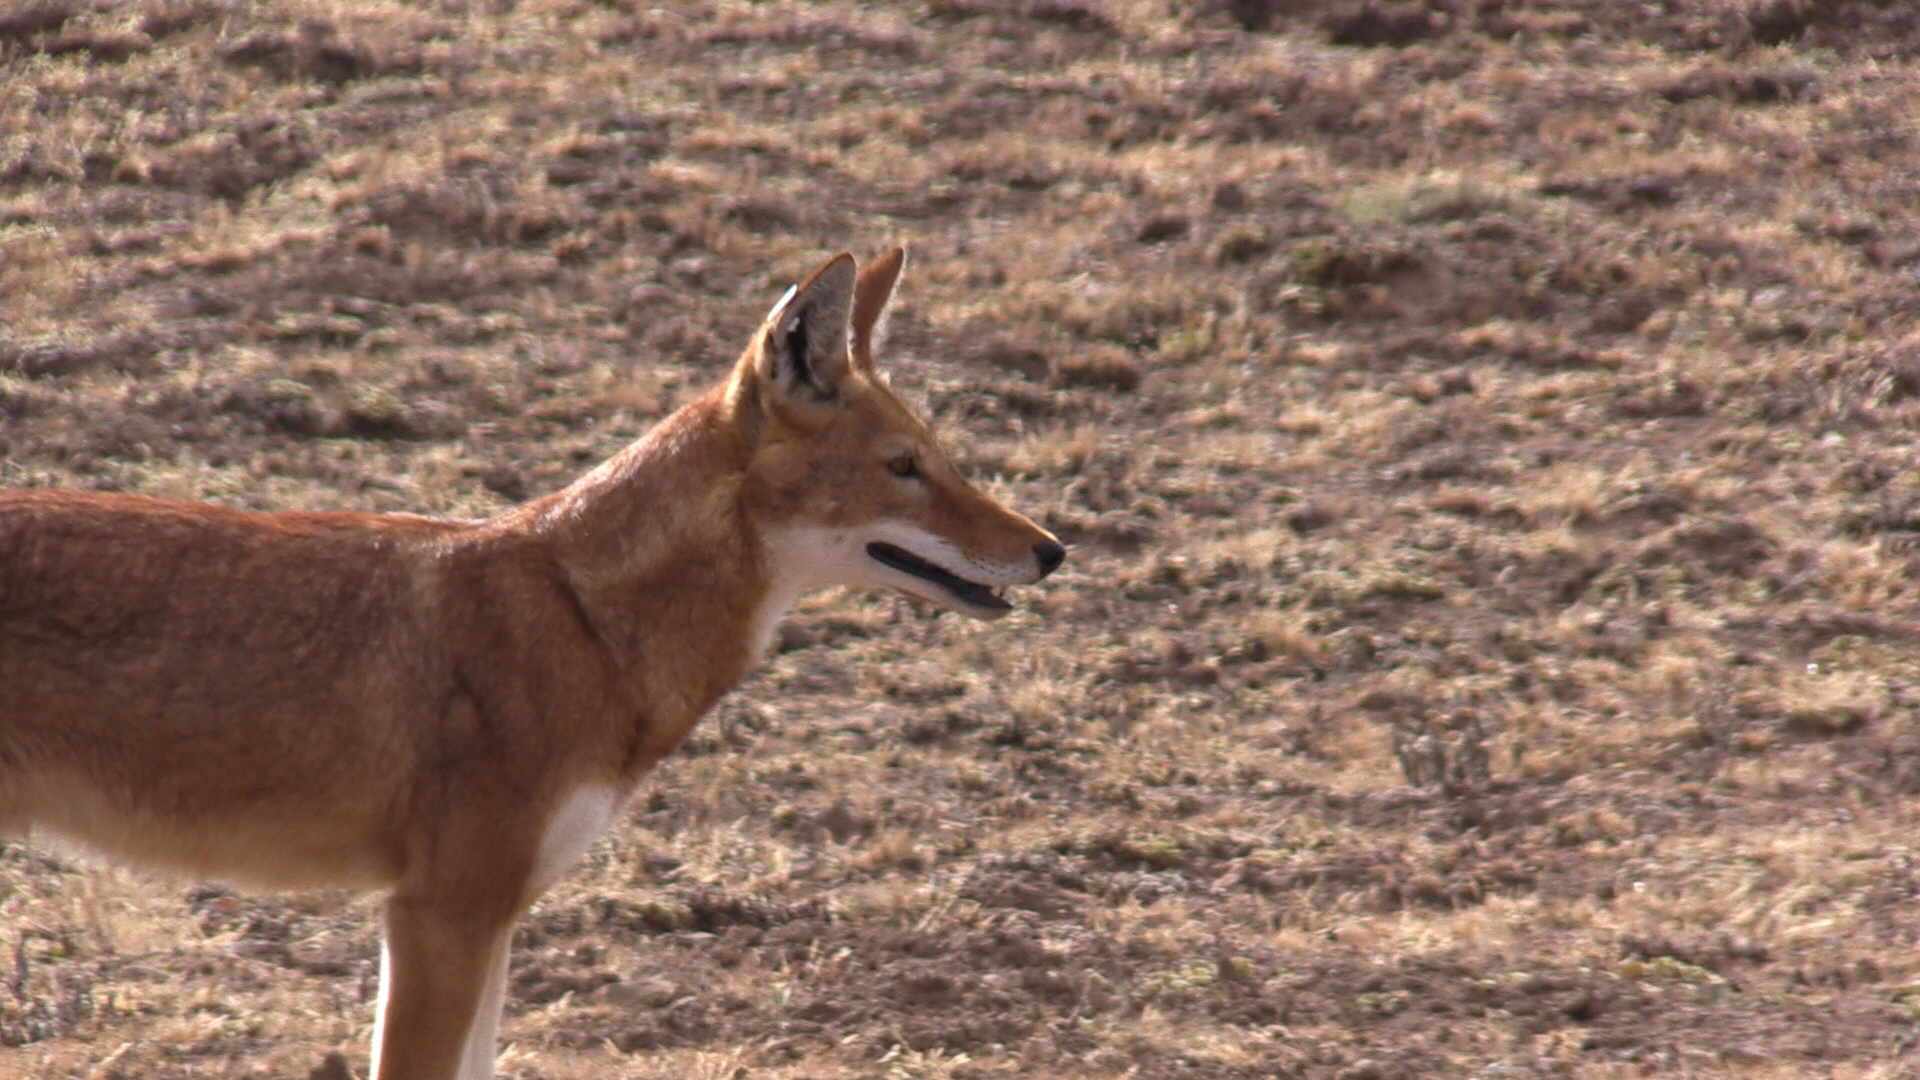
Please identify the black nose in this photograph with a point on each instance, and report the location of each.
(1050, 553)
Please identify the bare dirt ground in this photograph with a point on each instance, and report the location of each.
(1485, 429)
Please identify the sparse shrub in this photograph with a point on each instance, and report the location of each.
(1241, 244)
(1100, 368)
(1335, 262)
(279, 404)
(1451, 753)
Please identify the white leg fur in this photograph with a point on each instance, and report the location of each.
(380, 1005)
(476, 1062)
(572, 829)
(580, 819)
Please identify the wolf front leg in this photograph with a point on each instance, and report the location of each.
(443, 980)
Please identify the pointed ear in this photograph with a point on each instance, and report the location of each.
(803, 349)
(870, 297)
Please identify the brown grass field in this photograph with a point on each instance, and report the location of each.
(1485, 430)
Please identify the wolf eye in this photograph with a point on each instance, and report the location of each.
(903, 465)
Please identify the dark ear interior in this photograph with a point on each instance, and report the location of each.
(795, 340)
(804, 353)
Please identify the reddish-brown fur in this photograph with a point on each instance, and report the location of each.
(388, 701)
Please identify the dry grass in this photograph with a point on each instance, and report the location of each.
(1484, 432)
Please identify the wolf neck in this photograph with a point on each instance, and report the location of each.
(665, 566)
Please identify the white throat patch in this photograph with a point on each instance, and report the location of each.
(799, 561)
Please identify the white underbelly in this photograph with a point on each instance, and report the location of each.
(272, 848)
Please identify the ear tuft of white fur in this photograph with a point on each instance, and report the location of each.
(780, 303)
(807, 333)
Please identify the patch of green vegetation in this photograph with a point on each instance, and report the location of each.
(1162, 852)
(1329, 262)
(1668, 969)
(1196, 338)
(1403, 585)
(1177, 980)
(1383, 1002)
(1344, 587)
(1431, 198)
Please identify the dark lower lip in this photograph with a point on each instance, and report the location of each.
(967, 592)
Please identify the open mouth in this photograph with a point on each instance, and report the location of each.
(967, 592)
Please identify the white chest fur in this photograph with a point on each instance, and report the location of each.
(576, 823)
